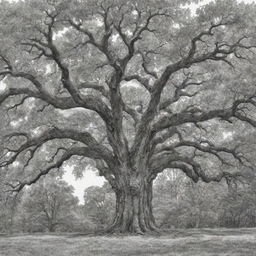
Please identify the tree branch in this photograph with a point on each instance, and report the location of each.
(77, 151)
(143, 81)
(196, 115)
(57, 133)
(189, 166)
(206, 147)
(179, 92)
(61, 103)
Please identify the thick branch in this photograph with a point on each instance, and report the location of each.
(89, 102)
(61, 103)
(77, 151)
(196, 115)
(206, 147)
(189, 166)
(56, 133)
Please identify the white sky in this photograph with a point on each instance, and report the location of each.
(90, 178)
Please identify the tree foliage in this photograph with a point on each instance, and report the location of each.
(99, 205)
(48, 205)
(180, 203)
(136, 86)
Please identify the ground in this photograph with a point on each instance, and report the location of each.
(199, 242)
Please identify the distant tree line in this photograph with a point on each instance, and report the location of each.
(50, 206)
(180, 203)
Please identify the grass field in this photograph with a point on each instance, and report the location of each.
(201, 242)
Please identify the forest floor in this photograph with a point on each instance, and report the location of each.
(198, 242)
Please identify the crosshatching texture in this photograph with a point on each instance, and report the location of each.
(156, 97)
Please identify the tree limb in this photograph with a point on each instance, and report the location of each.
(57, 133)
(77, 151)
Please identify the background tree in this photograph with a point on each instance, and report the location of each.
(186, 204)
(128, 85)
(8, 210)
(50, 205)
(238, 206)
(99, 205)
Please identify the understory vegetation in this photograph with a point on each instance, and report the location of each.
(50, 206)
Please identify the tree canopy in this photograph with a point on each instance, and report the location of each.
(131, 87)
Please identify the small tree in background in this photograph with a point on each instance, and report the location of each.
(49, 205)
(99, 205)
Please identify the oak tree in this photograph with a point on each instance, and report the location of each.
(131, 87)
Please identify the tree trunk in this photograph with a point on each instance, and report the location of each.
(52, 227)
(134, 208)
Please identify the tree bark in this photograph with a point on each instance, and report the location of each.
(52, 228)
(134, 212)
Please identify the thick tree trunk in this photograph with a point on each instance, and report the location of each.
(134, 208)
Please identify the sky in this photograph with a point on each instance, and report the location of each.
(89, 178)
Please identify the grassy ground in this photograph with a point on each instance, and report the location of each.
(202, 242)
